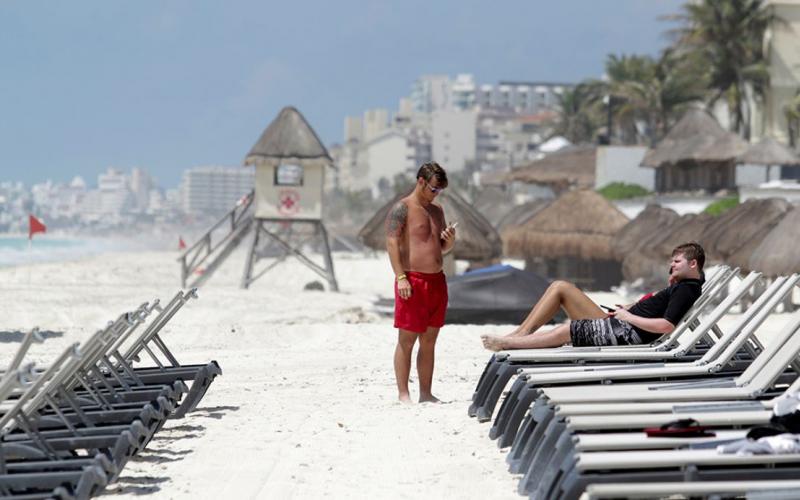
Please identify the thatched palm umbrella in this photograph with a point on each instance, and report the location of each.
(769, 152)
(642, 230)
(777, 253)
(579, 223)
(568, 168)
(493, 202)
(650, 261)
(521, 214)
(571, 239)
(733, 236)
(690, 227)
(697, 153)
(476, 239)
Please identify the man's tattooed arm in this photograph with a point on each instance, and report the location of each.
(396, 220)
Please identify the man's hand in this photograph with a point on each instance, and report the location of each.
(653, 325)
(404, 289)
(621, 313)
(448, 236)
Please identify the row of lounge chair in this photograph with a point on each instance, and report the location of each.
(67, 430)
(575, 418)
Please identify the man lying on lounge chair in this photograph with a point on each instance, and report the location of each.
(641, 323)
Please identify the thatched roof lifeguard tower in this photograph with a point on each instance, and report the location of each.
(284, 211)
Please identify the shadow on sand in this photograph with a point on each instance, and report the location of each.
(214, 411)
(136, 485)
(7, 337)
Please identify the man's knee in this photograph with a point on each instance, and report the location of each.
(428, 339)
(406, 340)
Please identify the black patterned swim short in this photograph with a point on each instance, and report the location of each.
(599, 332)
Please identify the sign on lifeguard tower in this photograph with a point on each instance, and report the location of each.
(290, 163)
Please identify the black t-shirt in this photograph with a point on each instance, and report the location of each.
(671, 303)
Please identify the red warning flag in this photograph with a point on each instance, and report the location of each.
(181, 243)
(35, 226)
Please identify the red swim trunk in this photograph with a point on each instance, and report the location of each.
(427, 305)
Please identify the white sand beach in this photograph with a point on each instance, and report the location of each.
(306, 405)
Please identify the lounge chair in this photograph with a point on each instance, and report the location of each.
(719, 360)
(686, 342)
(774, 490)
(547, 437)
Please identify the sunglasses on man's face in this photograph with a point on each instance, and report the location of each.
(434, 190)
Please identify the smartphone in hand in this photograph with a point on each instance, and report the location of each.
(451, 225)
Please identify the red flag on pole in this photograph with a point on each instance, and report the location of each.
(181, 243)
(35, 226)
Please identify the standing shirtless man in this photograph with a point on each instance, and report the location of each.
(416, 239)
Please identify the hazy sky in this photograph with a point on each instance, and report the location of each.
(167, 85)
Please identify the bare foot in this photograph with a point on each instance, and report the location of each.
(404, 398)
(492, 343)
(429, 399)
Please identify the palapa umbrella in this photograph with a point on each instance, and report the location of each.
(569, 168)
(476, 239)
(493, 202)
(521, 214)
(732, 236)
(769, 152)
(578, 224)
(650, 261)
(777, 253)
(698, 138)
(649, 223)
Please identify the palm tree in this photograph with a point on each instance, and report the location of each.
(651, 92)
(728, 35)
(791, 111)
(580, 111)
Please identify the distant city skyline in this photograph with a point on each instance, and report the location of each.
(179, 84)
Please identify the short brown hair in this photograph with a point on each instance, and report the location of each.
(692, 251)
(432, 169)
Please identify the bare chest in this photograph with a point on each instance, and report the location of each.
(423, 224)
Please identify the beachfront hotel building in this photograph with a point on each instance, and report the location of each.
(378, 148)
(436, 92)
(462, 125)
(212, 190)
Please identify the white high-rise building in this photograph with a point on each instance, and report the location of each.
(520, 97)
(431, 92)
(462, 92)
(376, 121)
(453, 138)
(141, 185)
(115, 195)
(214, 190)
(353, 129)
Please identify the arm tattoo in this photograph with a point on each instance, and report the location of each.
(396, 220)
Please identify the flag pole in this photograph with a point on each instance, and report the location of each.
(30, 258)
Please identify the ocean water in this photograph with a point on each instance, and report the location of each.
(15, 250)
